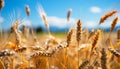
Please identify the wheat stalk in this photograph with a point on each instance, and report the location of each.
(6, 53)
(91, 34)
(95, 40)
(25, 31)
(106, 16)
(118, 34)
(78, 36)
(2, 66)
(18, 39)
(78, 31)
(41, 53)
(27, 10)
(103, 59)
(68, 14)
(22, 49)
(69, 36)
(85, 63)
(44, 18)
(1, 4)
(114, 52)
(113, 24)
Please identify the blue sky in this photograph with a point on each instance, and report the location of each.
(88, 11)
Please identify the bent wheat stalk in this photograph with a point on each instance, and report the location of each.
(106, 16)
(113, 26)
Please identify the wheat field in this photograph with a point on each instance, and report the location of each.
(76, 49)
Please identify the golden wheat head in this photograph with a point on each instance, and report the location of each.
(95, 40)
(78, 31)
(106, 16)
(103, 59)
(113, 24)
(69, 36)
(1, 4)
(27, 10)
(68, 14)
(118, 34)
(85, 63)
(114, 52)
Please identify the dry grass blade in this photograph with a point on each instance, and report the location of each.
(113, 24)
(103, 59)
(78, 31)
(2, 66)
(27, 10)
(109, 14)
(1, 4)
(68, 14)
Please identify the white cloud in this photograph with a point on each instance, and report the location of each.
(95, 9)
(106, 24)
(1, 19)
(90, 24)
(61, 22)
(26, 22)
